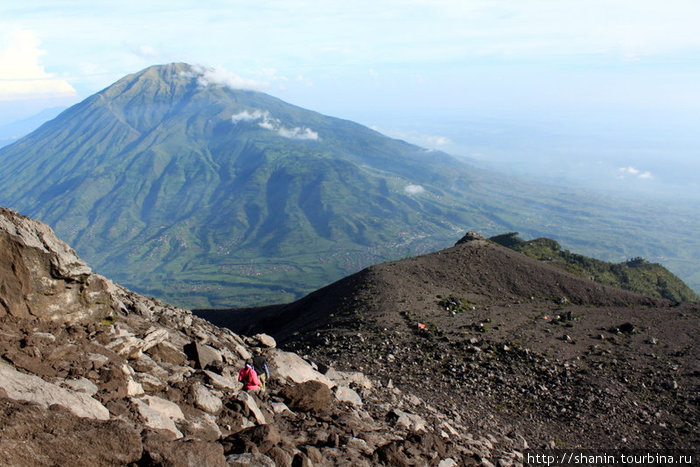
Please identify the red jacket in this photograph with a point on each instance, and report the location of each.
(249, 377)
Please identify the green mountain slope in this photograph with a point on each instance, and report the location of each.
(169, 184)
(208, 196)
(636, 275)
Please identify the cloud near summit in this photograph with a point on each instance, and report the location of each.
(218, 76)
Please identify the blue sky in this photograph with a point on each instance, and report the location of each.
(614, 82)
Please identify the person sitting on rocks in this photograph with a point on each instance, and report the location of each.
(261, 368)
(249, 377)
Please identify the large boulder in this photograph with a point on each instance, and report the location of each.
(159, 414)
(291, 368)
(309, 396)
(203, 355)
(42, 277)
(205, 400)
(24, 387)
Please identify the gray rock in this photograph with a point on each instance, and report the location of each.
(81, 385)
(248, 400)
(159, 413)
(470, 237)
(349, 378)
(98, 360)
(263, 340)
(205, 400)
(280, 407)
(203, 426)
(150, 382)
(203, 355)
(345, 394)
(292, 368)
(249, 459)
(411, 422)
(360, 445)
(23, 387)
(223, 382)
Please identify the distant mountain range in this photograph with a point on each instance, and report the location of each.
(181, 187)
(12, 131)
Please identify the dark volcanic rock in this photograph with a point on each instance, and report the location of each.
(259, 438)
(161, 450)
(506, 343)
(311, 396)
(31, 435)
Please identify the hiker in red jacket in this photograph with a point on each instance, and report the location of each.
(249, 378)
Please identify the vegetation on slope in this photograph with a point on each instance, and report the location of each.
(637, 274)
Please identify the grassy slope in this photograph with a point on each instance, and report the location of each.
(636, 274)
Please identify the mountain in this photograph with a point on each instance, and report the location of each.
(180, 187)
(636, 274)
(92, 374)
(160, 179)
(508, 342)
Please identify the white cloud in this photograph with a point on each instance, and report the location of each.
(246, 116)
(218, 76)
(22, 76)
(414, 189)
(437, 140)
(297, 133)
(274, 124)
(634, 172)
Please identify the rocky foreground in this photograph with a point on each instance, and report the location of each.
(93, 374)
